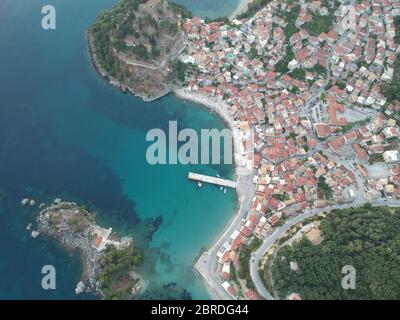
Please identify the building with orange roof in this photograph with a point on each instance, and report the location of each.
(98, 241)
(360, 152)
(251, 294)
(333, 108)
(323, 130)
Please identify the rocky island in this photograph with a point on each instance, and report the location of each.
(108, 261)
(135, 46)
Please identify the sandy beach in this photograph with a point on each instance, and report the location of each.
(245, 191)
(242, 7)
(221, 109)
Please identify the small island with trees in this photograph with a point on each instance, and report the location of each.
(135, 46)
(109, 262)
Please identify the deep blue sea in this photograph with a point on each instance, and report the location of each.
(66, 133)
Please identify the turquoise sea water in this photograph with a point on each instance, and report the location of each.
(66, 133)
(210, 8)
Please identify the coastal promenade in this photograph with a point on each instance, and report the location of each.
(207, 264)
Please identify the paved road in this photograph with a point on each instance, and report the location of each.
(279, 232)
(207, 264)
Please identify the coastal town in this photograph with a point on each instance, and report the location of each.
(310, 91)
(302, 83)
(213, 158)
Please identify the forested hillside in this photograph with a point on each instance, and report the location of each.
(367, 238)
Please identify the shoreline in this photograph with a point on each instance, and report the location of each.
(242, 7)
(221, 109)
(244, 193)
(114, 82)
(75, 229)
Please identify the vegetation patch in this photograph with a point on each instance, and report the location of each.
(115, 276)
(319, 24)
(318, 69)
(376, 157)
(282, 65)
(290, 18)
(352, 125)
(245, 256)
(136, 44)
(181, 10)
(324, 191)
(366, 238)
(298, 74)
(392, 90)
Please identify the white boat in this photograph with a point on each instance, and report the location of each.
(218, 176)
(224, 190)
(199, 184)
(220, 188)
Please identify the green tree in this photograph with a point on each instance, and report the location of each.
(366, 238)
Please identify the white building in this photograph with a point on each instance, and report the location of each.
(391, 156)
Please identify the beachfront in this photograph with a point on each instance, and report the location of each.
(243, 164)
(241, 8)
(207, 263)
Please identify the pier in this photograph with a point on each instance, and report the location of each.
(212, 180)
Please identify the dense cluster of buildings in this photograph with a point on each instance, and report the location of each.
(324, 133)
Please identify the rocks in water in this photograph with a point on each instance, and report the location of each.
(76, 230)
(35, 234)
(80, 287)
(28, 227)
(27, 201)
